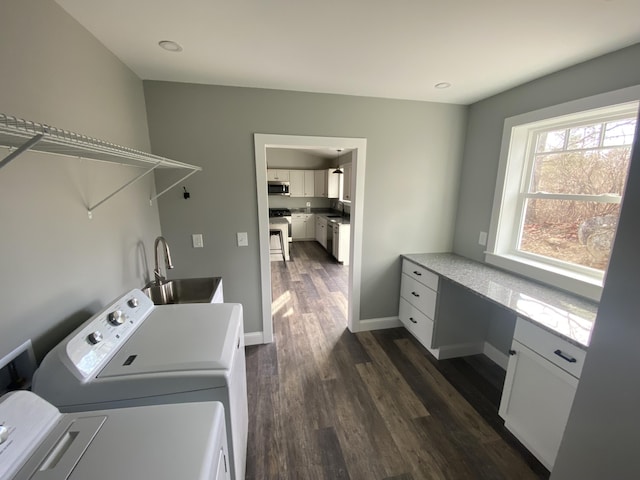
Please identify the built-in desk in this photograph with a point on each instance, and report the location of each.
(448, 303)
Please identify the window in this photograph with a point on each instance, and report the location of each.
(563, 174)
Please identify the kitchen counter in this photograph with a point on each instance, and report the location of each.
(565, 315)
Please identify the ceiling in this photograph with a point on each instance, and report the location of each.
(378, 48)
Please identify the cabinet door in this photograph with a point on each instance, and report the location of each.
(346, 182)
(320, 183)
(296, 179)
(309, 183)
(297, 227)
(333, 184)
(310, 226)
(536, 401)
(336, 241)
(277, 175)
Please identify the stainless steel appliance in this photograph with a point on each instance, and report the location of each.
(286, 214)
(278, 188)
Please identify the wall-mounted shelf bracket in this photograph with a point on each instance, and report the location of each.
(23, 135)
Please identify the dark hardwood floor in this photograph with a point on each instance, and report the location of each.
(327, 404)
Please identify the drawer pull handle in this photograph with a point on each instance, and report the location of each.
(564, 356)
(417, 273)
(412, 320)
(415, 294)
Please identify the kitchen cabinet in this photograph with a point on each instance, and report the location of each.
(541, 382)
(302, 183)
(321, 230)
(346, 182)
(341, 237)
(327, 183)
(303, 226)
(278, 175)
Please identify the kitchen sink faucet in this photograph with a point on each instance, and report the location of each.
(167, 259)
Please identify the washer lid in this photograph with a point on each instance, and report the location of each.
(179, 338)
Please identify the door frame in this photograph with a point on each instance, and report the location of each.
(359, 147)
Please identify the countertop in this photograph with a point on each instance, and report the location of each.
(325, 212)
(278, 221)
(563, 314)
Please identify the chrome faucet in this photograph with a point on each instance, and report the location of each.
(167, 259)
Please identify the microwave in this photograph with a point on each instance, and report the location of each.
(278, 188)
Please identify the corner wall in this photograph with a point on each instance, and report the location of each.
(59, 267)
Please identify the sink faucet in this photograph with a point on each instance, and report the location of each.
(167, 259)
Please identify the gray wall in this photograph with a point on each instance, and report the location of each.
(413, 159)
(484, 135)
(58, 267)
(603, 433)
(295, 160)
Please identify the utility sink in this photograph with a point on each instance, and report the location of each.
(185, 290)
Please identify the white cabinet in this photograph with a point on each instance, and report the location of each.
(303, 226)
(418, 297)
(302, 183)
(341, 237)
(320, 183)
(321, 230)
(346, 182)
(542, 377)
(327, 183)
(277, 175)
(296, 186)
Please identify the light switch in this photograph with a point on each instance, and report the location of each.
(196, 238)
(243, 239)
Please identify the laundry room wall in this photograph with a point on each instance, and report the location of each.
(58, 267)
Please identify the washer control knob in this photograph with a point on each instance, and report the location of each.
(116, 317)
(133, 302)
(95, 337)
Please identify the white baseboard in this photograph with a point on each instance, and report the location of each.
(378, 324)
(496, 355)
(253, 338)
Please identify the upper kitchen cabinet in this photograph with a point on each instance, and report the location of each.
(277, 175)
(327, 184)
(346, 182)
(302, 183)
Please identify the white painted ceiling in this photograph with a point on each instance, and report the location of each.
(378, 48)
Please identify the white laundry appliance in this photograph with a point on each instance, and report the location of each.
(134, 353)
(159, 442)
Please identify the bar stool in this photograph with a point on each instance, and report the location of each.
(278, 233)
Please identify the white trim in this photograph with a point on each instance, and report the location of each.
(508, 199)
(253, 338)
(495, 355)
(379, 323)
(359, 147)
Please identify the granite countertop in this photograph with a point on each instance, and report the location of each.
(566, 315)
(325, 212)
(278, 221)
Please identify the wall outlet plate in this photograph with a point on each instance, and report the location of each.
(197, 241)
(482, 239)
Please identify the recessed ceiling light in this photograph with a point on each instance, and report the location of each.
(442, 85)
(170, 45)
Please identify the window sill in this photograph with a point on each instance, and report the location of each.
(573, 282)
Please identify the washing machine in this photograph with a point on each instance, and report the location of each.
(134, 353)
(160, 442)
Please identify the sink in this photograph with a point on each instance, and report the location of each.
(185, 290)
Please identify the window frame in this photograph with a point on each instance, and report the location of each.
(514, 174)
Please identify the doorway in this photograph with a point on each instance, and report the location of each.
(358, 147)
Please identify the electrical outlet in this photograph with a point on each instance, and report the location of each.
(482, 239)
(196, 239)
(308, 204)
(243, 239)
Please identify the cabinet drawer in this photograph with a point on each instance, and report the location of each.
(558, 351)
(420, 274)
(416, 322)
(418, 295)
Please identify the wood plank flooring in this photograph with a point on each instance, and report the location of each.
(327, 404)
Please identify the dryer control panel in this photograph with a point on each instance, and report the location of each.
(93, 344)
